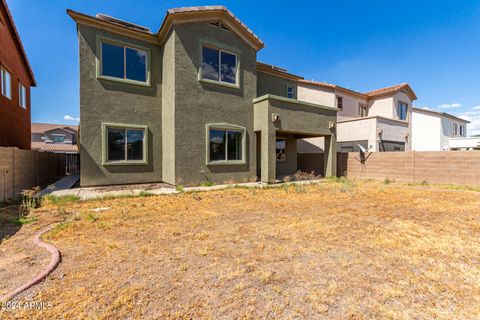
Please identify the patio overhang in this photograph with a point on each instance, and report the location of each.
(275, 114)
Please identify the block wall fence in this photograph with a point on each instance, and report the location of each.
(446, 167)
(25, 169)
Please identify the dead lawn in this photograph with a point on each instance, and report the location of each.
(328, 251)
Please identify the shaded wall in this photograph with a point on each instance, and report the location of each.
(446, 167)
(25, 169)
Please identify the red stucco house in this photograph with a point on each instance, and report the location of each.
(16, 78)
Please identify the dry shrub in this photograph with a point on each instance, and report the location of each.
(302, 176)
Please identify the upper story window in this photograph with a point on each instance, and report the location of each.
(290, 92)
(59, 138)
(362, 110)
(340, 103)
(6, 83)
(22, 96)
(462, 130)
(125, 63)
(218, 65)
(402, 110)
(455, 129)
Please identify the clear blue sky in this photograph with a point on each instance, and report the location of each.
(362, 45)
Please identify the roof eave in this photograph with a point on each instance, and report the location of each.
(24, 54)
(207, 15)
(84, 19)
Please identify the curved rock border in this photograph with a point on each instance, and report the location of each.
(54, 261)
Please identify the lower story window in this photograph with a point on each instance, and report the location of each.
(281, 149)
(225, 145)
(125, 144)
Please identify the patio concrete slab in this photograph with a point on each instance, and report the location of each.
(66, 183)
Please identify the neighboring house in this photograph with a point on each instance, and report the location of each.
(16, 78)
(189, 103)
(379, 120)
(57, 138)
(436, 131)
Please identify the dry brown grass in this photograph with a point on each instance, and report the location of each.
(334, 251)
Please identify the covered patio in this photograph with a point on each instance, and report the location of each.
(279, 122)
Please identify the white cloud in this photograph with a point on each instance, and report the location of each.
(449, 105)
(476, 108)
(70, 118)
(474, 126)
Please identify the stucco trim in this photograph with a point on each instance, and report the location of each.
(225, 126)
(98, 60)
(220, 47)
(105, 162)
(373, 117)
(293, 101)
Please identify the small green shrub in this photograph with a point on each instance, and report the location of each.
(207, 184)
(180, 188)
(92, 217)
(144, 193)
(30, 200)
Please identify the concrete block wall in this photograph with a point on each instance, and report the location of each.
(25, 169)
(446, 167)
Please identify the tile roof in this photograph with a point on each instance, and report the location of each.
(17, 37)
(394, 88)
(43, 127)
(58, 147)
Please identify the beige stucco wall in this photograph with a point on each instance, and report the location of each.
(316, 94)
(394, 131)
(350, 106)
(381, 107)
(364, 129)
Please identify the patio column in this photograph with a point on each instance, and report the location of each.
(268, 160)
(330, 159)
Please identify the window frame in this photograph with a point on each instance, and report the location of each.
(22, 100)
(3, 70)
(286, 152)
(406, 110)
(220, 48)
(455, 129)
(461, 130)
(124, 44)
(362, 106)
(293, 91)
(106, 126)
(339, 105)
(227, 127)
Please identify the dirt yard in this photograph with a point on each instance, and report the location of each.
(337, 250)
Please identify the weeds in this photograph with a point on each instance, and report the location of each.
(387, 181)
(62, 200)
(207, 184)
(180, 188)
(19, 221)
(30, 200)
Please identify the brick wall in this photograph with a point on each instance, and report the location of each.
(455, 167)
(24, 169)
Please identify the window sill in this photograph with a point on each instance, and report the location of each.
(218, 83)
(125, 81)
(228, 163)
(125, 163)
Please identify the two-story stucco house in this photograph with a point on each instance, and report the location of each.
(440, 131)
(56, 138)
(189, 103)
(379, 120)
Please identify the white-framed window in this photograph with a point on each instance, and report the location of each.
(362, 110)
(402, 110)
(462, 130)
(124, 144)
(124, 62)
(6, 83)
(455, 129)
(22, 96)
(340, 102)
(219, 65)
(291, 92)
(58, 138)
(281, 149)
(225, 144)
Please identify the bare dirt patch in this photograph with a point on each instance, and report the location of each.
(330, 251)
